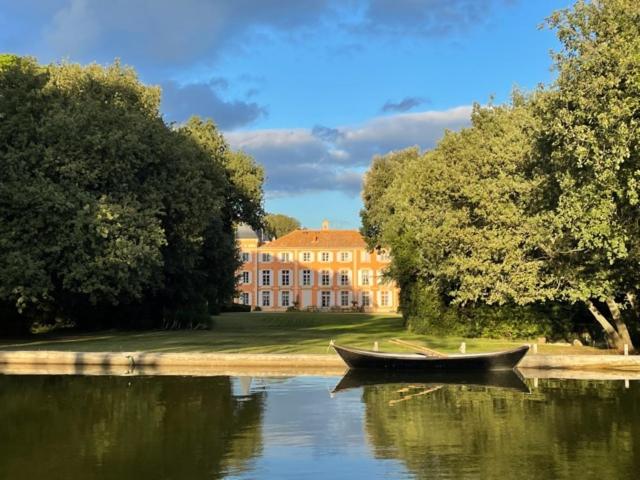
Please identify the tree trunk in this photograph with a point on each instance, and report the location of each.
(612, 335)
(621, 327)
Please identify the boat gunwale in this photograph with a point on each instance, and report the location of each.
(419, 356)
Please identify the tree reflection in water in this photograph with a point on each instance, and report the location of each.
(563, 429)
(126, 427)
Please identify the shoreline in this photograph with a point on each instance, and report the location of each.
(207, 364)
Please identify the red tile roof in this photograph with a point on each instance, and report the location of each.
(319, 239)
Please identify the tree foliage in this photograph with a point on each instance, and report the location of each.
(278, 224)
(105, 211)
(537, 201)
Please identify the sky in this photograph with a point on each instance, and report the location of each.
(312, 89)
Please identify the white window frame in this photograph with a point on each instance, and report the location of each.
(385, 298)
(365, 277)
(245, 298)
(327, 274)
(265, 295)
(306, 257)
(344, 257)
(344, 273)
(246, 257)
(265, 258)
(365, 256)
(366, 295)
(325, 295)
(245, 278)
(345, 294)
(285, 257)
(265, 274)
(285, 274)
(285, 294)
(303, 278)
(325, 257)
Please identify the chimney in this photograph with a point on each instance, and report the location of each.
(325, 224)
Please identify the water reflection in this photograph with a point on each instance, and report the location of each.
(117, 427)
(75, 427)
(563, 429)
(510, 379)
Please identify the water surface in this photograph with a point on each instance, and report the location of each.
(119, 427)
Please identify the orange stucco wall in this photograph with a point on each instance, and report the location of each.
(310, 296)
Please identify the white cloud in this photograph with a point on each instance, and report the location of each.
(323, 158)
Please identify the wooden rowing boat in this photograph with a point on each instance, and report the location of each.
(359, 359)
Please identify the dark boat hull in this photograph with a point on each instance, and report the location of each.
(365, 359)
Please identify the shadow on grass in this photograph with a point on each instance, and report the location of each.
(265, 333)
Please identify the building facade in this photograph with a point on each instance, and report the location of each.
(308, 269)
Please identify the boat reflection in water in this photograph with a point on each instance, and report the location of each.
(412, 380)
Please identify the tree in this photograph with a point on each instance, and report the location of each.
(589, 153)
(105, 211)
(457, 221)
(537, 202)
(278, 224)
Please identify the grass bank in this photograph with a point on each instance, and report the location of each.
(290, 332)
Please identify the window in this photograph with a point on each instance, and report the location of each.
(365, 256)
(284, 299)
(325, 299)
(344, 299)
(344, 277)
(384, 299)
(345, 256)
(244, 298)
(325, 278)
(306, 277)
(245, 278)
(266, 257)
(266, 277)
(306, 256)
(266, 299)
(325, 256)
(365, 277)
(246, 257)
(383, 256)
(285, 257)
(285, 278)
(366, 299)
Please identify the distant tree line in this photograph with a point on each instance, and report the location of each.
(536, 206)
(109, 216)
(277, 224)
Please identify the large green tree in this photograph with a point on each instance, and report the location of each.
(107, 212)
(538, 201)
(457, 218)
(589, 155)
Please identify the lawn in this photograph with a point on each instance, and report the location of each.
(290, 332)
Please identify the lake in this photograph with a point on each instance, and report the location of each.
(137, 427)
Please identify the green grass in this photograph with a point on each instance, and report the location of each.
(266, 333)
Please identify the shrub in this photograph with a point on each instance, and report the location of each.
(235, 307)
(425, 311)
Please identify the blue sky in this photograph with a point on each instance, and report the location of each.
(312, 89)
